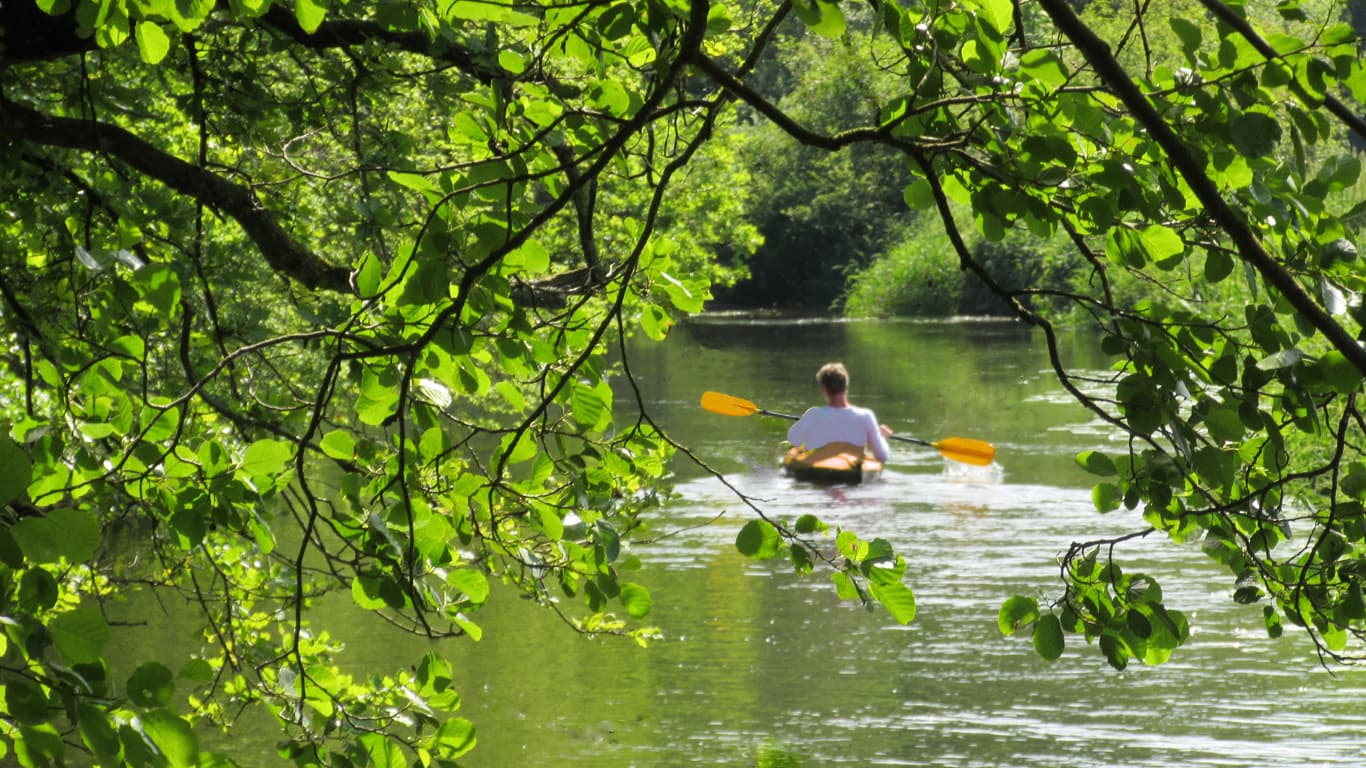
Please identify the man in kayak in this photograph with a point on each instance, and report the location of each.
(839, 421)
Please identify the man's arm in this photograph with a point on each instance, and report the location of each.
(877, 438)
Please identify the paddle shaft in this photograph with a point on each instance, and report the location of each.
(963, 449)
(790, 417)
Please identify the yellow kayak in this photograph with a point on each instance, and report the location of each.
(831, 463)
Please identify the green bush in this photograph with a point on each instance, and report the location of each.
(921, 275)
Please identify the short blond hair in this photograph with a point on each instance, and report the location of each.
(833, 378)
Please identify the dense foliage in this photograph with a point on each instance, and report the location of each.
(919, 275)
(315, 299)
(822, 215)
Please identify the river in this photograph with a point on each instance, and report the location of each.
(760, 667)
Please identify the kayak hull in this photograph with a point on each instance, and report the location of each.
(831, 463)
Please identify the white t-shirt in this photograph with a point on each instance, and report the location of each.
(828, 424)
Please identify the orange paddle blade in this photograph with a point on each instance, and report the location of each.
(728, 405)
(966, 450)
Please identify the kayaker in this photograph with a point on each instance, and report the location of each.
(839, 421)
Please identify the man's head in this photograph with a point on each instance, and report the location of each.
(833, 378)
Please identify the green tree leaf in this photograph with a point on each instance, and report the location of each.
(310, 14)
(265, 460)
(897, 598)
(174, 738)
(1189, 34)
(1106, 497)
(454, 738)
(1096, 463)
(1045, 66)
(823, 18)
(1016, 613)
(758, 539)
(66, 533)
(637, 600)
(15, 469)
(998, 14)
(25, 701)
(151, 685)
(80, 635)
(339, 444)
(383, 752)
(99, 735)
(1048, 637)
(1256, 134)
(152, 41)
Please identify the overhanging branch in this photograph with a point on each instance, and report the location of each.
(1354, 122)
(343, 33)
(282, 252)
(1249, 247)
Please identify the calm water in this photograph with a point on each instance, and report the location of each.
(759, 667)
(762, 668)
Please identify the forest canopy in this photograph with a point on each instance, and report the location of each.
(325, 298)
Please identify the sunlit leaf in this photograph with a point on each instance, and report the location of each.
(823, 18)
(997, 14)
(1106, 497)
(472, 583)
(455, 737)
(173, 737)
(1096, 463)
(523, 449)
(152, 41)
(636, 598)
(1045, 66)
(1283, 359)
(758, 539)
(587, 405)
(267, 458)
(339, 444)
(656, 322)
(1187, 32)
(365, 591)
(897, 598)
(1016, 613)
(310, 14)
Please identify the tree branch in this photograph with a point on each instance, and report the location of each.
(350, 32)
(1250, 248)
(282, 252)
(1333, 104)
(28, 34)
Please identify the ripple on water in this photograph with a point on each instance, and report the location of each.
(948, 689)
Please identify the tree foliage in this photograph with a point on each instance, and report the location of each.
(821, 214)
(315, 299)
(319, 297)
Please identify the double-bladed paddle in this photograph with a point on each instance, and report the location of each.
(960, 449)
